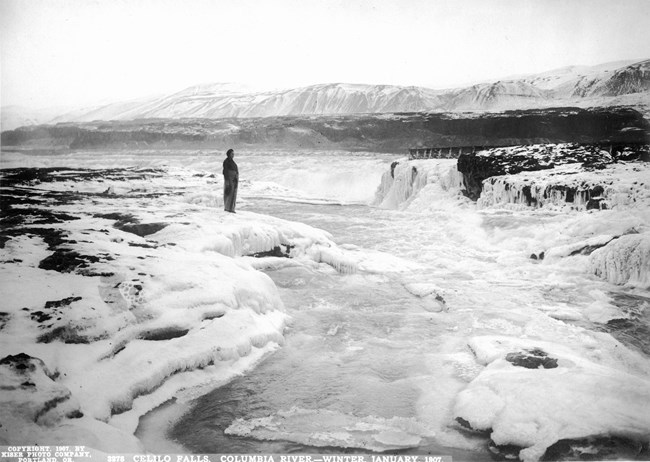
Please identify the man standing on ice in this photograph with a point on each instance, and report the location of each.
(230, 182)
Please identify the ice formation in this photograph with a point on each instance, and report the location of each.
(622, 185)
(624, 261)
(573, 397)
(323, 428)
(407, 180)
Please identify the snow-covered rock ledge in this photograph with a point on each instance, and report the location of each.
(571, 187)
(481, 168)
(532, 394)
(116, 299)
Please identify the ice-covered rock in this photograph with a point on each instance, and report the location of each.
(432, 294)
(624, 261)
(571, 187)
(36, 408)
(406, 179)
(532, 394)
(492, 163)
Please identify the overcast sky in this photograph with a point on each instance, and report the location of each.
(79, 52)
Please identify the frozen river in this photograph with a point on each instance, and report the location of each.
(389, 344)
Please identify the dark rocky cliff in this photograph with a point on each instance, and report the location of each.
(386, 132)
(479, 166)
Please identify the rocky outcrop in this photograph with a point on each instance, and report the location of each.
(534, 358)
(477, 167)
(595, 448)
(34, 395)
(493, 163)
(36, 408)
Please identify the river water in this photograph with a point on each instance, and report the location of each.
(375, 359)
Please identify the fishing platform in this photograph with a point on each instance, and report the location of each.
(453, 152)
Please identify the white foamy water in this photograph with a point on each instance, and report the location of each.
(404, 325)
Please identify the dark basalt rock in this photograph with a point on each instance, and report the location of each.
(19, 221)
(40, 316)
(143, 245)
(65, 334)
(392, 169)
(589, 249)
(363, 132)
(466, 426)
(66, 261)
(51, 310)
(140, 229)
(118, 216)
(213, 315)
(164, 333)
(277, 251)
(596, 204)
(597, 449)
(4, 318)
(29, 175)
(532, 359)
(477, 168)
(23, 364)
(3, 240)
(503, 452)
(61, 303)
(53, 237)
(464, 423)
(32, 390)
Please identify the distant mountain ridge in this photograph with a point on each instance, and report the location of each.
(619, 83)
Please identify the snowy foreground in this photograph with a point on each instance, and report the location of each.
(116, 300)
(123, 288)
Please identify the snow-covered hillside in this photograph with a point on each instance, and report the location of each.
(222, 100)
(617, 83)
(514, 94)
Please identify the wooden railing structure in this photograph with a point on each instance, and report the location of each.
(453, 152)
(447, 152)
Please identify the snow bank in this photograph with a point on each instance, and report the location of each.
(146, 326)
(533, 393)
(624, 261)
